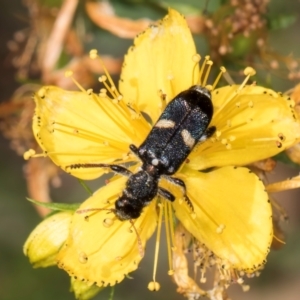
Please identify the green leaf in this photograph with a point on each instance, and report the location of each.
(56, 206)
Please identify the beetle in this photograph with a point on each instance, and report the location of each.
(182, 125)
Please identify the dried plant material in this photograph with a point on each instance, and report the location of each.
(186, 285)
(56, 40)
(291, 183)
(16, 118)
(28, 45)
(83, 69)
(15, 125)
(102, 14)
(295, 95)
(196, 23)
(39, 173)
(278, 235)
(266, 165)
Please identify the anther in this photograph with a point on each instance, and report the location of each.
(102, 78)
(28, 154)
(93, 54)
(196, 58)
(153, 286)
(278, 144)
(203, 279)
(240, 280)
(245, 288)
(68, 73)
(103, 93)
(249, 71)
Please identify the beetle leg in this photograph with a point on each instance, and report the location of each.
(182, 185)
(166, 194)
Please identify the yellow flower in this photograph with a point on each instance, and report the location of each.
(232, 214)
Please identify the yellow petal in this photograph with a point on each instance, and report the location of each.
(81, 127)
(45, 240)
(100, 252)
(233, 216)
(159, 65)
(252, 124)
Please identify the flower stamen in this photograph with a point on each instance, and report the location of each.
(222, 71)
(196, 58)
(111, 89)
(248, 72)
(209, 63)
(206, 59)
(153, 284)
(168, 226)
(31, 153)
(94, 55)
(69, 74)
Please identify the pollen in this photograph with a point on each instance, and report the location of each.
(221, 228)
(108, 222)
(218, 133)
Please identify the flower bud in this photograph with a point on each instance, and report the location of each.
(46, 239)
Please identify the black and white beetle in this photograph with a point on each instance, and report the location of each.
(183, 123)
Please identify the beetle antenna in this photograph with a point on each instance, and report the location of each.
(82, 211)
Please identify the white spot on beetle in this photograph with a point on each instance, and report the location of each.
(165, 124)
(187, 138)
(155, 162)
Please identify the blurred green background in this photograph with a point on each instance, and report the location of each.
(18, 280)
